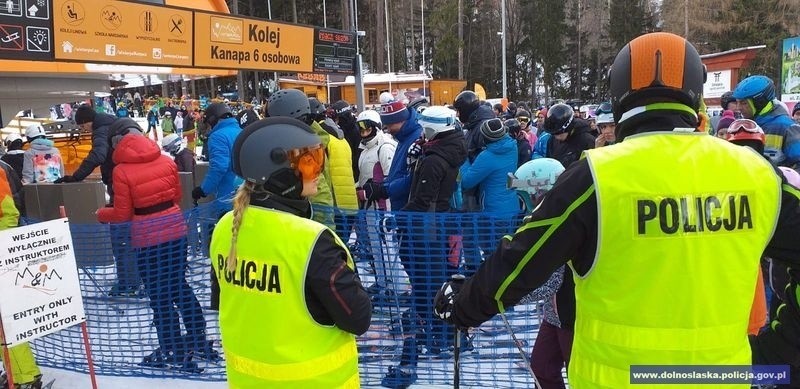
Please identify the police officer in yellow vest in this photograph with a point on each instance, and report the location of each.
(290, 302)
(664, 249)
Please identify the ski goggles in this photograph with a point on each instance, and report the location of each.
(524, 119)
(744, 125)
(365, 127)
(307, 160)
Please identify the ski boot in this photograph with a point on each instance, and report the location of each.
(400, 377)
(125, 291)
(170, 360)
(35, 384)
(207, 352)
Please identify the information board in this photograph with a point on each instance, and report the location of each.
(790, 70)
(717, 83)
(26, 30)
(122, 32)
(334, 51)
(39, 287)
(244, 43)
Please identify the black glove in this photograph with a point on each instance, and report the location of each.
(414, 152)
(374, 191)
(197, 193)
(446, 297)
(65, 179)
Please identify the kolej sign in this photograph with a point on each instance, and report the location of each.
(237, 43)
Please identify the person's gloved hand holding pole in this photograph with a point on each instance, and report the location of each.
(374, 191)
(444, 301)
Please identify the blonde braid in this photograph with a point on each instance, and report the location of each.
(240, 202)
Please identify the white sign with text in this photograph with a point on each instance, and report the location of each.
(39, 288)
(717, 83)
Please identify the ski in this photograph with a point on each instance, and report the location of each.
(501, 330)
(502, 343)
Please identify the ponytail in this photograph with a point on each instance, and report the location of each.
(240, 202)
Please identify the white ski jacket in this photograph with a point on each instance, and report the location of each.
(378, 149)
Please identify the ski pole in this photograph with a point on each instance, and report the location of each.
(521, 352)
(457, 360)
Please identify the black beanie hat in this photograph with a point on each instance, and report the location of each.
(84, 114)
(493, 130)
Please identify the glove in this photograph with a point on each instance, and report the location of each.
(65, 179)
(374, 191)
(197, 193)
(414, 152)
(445, 298)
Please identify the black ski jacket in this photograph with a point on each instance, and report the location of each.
(434, 178)
(570, 150)
(100, 154)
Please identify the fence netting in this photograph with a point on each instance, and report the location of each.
(147, 310)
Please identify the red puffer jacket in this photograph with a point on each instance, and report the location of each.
(146, 192)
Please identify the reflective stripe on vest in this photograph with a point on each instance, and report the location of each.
(683, 221)
(269, 337)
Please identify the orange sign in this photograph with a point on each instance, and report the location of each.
(121, 32)
(313, 77)
(244, 43)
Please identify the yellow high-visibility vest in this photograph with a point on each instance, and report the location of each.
(269, 337)
(683, 221)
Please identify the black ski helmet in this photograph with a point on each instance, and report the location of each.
(341, 108)
(247, 117)
(260, 152)
(560, 119)
(289, 103)
(466, 103)
(726, 99)
(317, 108)
(419, 104)
(513, 126)
(216, 112)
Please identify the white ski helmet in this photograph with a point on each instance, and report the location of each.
(171, 143)
(370, 115)
(386, 97)
(436, 120)
(11, 138)
(34, 131)
(605, 118)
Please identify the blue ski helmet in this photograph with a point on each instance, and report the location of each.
(759, 89)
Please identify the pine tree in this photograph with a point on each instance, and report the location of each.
(545, 27)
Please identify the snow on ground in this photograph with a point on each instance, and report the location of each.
(68, 379)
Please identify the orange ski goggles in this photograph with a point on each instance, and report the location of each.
(308, 161)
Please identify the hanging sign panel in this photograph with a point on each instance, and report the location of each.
(121, 32)
(334, 51)
(244, 43)
(26, 30)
